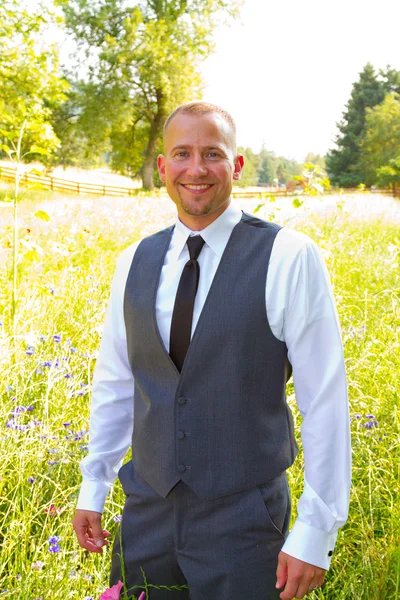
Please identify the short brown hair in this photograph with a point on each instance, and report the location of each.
(200, 108)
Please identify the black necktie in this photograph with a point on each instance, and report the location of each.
(181, 324)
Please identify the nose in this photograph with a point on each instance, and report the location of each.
(197, 167)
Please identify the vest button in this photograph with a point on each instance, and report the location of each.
(180, 435)
(182, 400)
(181, 468)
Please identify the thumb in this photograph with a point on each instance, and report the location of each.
(281, 571)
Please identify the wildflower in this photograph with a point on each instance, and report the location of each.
(31, 479)
(118, 518)
(54, 539)
(18, 577)
(18, 409)
(72, 574)
(47, 363)
(54, 548)
(357, 416)
(370, 424)
(112, 593)
(73, 350)
(30, 350)
(52, 510)
(57, 338)
(67, 423)
(370, 416)
(87, 577)
(38, 565)
(52, 462)
(42, 338)
(67, 375)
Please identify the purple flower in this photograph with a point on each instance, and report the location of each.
(369, 424)
(73, 350)
(68, 375)
(18, 409)
(52, 462)
(30, 408)
(31, 479)
(54, 539)
(47, 363)
(57, 338)
(30, 350)
(370, 416)
(55, 548)
(67, 423)
(118, 518)
(357, 416)
(43, 338)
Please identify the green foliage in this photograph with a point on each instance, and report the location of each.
(144, 61)
(389, 175)
(343, 163)
(381, 142)
(267, 169)
(313, 181)
(29, 80)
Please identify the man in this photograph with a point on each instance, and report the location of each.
(207, 500)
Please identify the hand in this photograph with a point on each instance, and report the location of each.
(297, 576)
(87, 526)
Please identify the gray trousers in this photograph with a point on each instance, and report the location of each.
(222, 549)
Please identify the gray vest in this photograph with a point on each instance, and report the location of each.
(223, 424)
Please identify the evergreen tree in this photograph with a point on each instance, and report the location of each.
(341, 163)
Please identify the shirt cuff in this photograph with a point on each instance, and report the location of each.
(92, 496)
(310, 544)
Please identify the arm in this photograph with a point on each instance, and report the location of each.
(312, 334)
(111, 416)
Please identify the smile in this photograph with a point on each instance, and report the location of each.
(193, 187)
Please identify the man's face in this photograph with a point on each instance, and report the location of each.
(198, 166)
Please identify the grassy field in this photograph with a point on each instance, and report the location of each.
(64, 272)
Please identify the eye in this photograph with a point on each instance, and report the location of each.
(182, 154)
(212, 155)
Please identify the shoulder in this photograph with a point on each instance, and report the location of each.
(294, 251)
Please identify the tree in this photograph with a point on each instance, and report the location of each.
(249, 175)
(316, 159)
(144, 59)
(382, 137)
(29, 79)
(389, 175)
(341, 163)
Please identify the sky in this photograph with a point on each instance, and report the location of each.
(285, 70)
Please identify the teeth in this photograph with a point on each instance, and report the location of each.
(198, 187)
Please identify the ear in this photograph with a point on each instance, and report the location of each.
(239, 163)
(161, 166)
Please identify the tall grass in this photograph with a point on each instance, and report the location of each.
(64, 274)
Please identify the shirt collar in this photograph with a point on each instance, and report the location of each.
(216, 235)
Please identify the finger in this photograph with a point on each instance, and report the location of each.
(95, 530)
(304, 587)
(83, 539)
(281, 571)
(291, 589)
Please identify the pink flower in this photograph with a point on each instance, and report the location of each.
(112, 593)
(142, 596)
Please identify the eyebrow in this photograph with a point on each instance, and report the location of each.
(187, 146)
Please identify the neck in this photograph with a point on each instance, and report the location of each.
(199, 222)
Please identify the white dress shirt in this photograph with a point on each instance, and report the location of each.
(301, 312)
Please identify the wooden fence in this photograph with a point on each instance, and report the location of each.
(77, 187)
